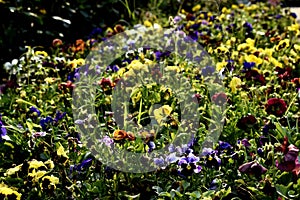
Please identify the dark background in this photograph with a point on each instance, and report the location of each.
(25, 22)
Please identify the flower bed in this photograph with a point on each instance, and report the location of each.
(253, 51)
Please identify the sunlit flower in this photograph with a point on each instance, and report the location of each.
(36, 175)
(43, 53)
(49, 182)
(35, 164)
(253, 58)
(283, 44)
(9, 193)
(49, 80)
(162, 112)
(147, 23)
(221, 65)
(119, 135)
(173, 68)
(61, 151)
(49, 163)
(14, 170)
(196, 8)
(234, 84)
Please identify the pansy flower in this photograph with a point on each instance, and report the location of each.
(246, 122)
(248, 26)
(3, 130)
(289, 161)
(35, 110)
(45, 122)
(255, 76)
(219, 98)
(188, 165)
(210, 157)
(59, 115)
(276, 106)
(253, 168)
(234, 84)
(283, 44)
(119, 135)
(284, 73)
(248, 65)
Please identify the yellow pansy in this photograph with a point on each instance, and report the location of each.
(196, 8)
(221, 65)
(225, 10)
(121, 71)
(137, 65)
(275, 62)
(230, 41)
(129, 73)
(7, 191)
(162, 112)
(250, 41)
(221, 49)
(233, 6)
(293, 53)
(283, 44)
(297, 47)
(35, 164)
(12, 171)
(234, 84)
(61, 151)
(49, 163)
(36, 175)
(234, 55)
(295, 28)
(148, 61)
(268, 52)
(43, 53)
(77, 63)
(253, 58)
(246, 47)
(147, 23)
(53, 181)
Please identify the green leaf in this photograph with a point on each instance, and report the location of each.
(165, 194)
(185, 184)
(195, 194)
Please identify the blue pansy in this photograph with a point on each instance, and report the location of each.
(35, 110)
(45, 122)
(208, 71)
(248, 27)
(248, 65)
(3, 130)
(59, 115)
